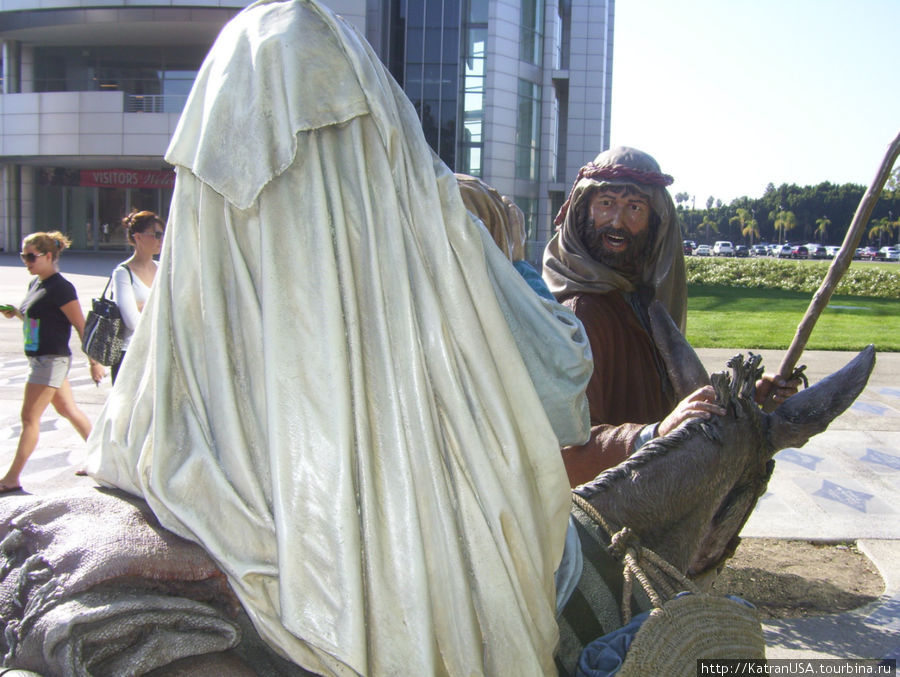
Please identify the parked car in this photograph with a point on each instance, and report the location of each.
(889, 253)
(689, 247)
(741, 250)
(831, 251)
(868, 254)
(815, 251)
(759, 250)
(723, 248)
(782, 251)
(703, 250)
(857, 254)
(799, 251)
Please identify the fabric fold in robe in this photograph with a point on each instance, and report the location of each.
(339, 386)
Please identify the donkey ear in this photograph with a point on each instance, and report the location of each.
(685, 369)
(811, 411)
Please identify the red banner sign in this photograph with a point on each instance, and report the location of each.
(127, 178)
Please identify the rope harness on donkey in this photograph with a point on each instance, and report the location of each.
(656, 576)
(684, 624)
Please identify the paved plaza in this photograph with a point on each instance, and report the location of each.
(843, 485)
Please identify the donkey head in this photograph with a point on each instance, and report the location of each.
(791, 425)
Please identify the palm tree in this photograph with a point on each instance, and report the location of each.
(708, 223)
(881, 227)
(748, 225)
(751, 230)
(822, 228)
(784, 221)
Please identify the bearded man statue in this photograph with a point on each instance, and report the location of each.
(617, 248)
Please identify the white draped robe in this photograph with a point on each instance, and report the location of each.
(332, 387)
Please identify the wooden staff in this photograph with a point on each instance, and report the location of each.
(838, 266)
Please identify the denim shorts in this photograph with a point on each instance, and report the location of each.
(49, 370)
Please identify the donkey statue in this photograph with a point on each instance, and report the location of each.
(686, 496)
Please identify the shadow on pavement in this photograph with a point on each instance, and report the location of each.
(854, 635)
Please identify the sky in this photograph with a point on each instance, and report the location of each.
(730, 95)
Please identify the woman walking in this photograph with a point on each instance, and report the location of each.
(49, 311)
(133, 277)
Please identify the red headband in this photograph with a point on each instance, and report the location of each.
(616, 173)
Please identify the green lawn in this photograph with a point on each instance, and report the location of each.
(731, 317)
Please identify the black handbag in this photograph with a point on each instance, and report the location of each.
(103, 330)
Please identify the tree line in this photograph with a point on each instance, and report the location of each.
(791, 213)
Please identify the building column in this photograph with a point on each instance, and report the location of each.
(4, 208)
(24, 207)
(10, 207)
(26, 68)
(10, 66)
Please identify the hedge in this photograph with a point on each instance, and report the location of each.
(860, 279)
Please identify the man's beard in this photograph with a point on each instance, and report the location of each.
(630, 262)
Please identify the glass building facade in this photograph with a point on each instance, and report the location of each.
(65, 195)
(528, 131)
(531, 43)
(88, 205)
(426, 63)
(471, 143)
(155, 79)
(496, 89)
(90, 98)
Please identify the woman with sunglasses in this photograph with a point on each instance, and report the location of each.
(133, 277)
(50, 310)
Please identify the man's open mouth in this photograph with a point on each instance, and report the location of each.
(616, 240)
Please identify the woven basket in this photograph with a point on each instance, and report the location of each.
(691, 627)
